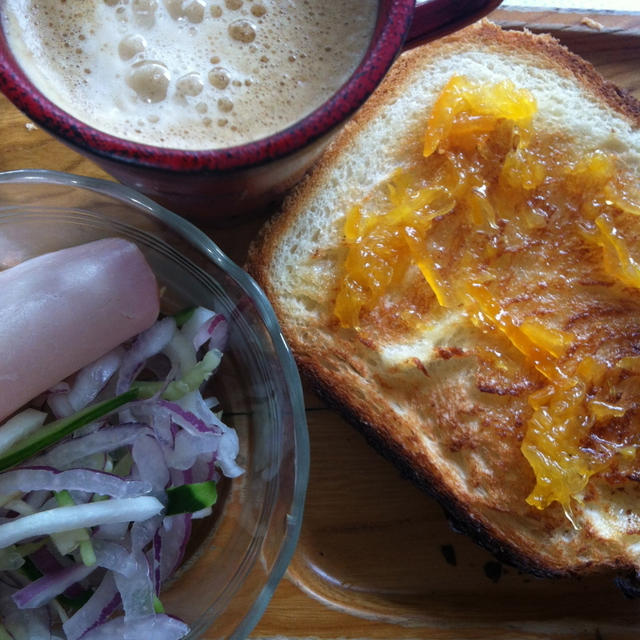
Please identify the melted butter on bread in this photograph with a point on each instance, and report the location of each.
(492, 198)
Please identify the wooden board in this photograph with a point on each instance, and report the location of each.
(376, 558)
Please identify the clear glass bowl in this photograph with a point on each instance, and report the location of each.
(238, 556)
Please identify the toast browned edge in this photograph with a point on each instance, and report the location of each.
(260, 254)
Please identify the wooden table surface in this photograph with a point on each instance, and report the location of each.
(376, 558)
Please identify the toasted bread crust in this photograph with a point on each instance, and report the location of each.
(540, 542)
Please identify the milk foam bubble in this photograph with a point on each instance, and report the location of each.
(191, 74)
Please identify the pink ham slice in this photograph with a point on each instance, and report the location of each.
(63, 310)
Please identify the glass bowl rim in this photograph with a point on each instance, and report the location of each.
(200, 241)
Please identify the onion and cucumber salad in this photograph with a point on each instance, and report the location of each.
(100, 480)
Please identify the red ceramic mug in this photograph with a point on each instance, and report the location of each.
(220, 186)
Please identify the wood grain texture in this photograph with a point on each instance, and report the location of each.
(23, 145)
(376, 557)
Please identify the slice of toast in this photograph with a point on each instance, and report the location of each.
(451, 391)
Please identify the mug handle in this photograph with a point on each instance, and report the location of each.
(435, 18)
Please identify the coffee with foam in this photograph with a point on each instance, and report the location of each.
(189, 74)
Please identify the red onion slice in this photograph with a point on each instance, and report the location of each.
(194, 403)
(114, 557)
(90, 381)
(49, 586)
(47, 561)
(189, 447)
(58, 401)
(32, 624)
(25, 479)
(187, 419)
(137, 591)
(215, 331)
(146, 345)
(116, 531)
(97, 610)
(67, 453)
(156, 627)
(173, 536)
(149, 462)
(204, 469)
(199, 318)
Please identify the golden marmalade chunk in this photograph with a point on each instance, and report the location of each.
(492, 197)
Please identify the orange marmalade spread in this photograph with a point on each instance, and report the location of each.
(526, 237)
